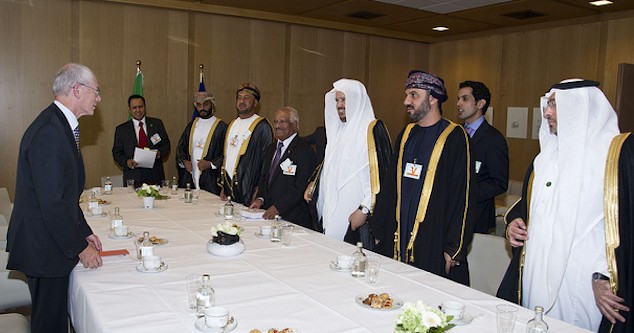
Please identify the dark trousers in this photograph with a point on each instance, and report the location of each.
(49, 304)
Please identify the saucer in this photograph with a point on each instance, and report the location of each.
(142, 269)
(201, 326)
(104, 214)
(465, 320)
(259, 235)
(128, 236)
(334, 267)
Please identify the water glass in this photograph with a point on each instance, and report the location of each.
(130, 184)
(506, 318)
(372, 268)
(193, 282)
(195, 196)
(165, 187)
(287, 234)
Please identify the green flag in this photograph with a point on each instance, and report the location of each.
(137, 89)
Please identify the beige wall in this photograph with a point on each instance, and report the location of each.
(292, 64)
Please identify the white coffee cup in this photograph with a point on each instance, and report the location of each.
(121, 230)
(344, 262)
(216, 317)
(151, 262)
(96, 211)
(453, 308)
(265, 230)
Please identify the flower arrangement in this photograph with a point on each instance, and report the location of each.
(225, 233)
(421, 318)
(150, 191)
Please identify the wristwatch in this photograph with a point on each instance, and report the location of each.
(365, 210)
(596, 276)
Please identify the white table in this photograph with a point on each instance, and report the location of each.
(266, 286)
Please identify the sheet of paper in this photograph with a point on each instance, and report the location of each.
(516, 119)
(145, 157)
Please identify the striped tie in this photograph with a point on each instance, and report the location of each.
(469, 130)
(76, 132)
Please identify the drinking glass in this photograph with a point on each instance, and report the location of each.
(165, 187)
(372, 268)
(287, 234)
(506, 317)
(130, 185)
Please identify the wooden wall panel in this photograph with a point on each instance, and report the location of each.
(390, 61)
(619, 49)
(318, 57)
(36, 38)
(112, 38)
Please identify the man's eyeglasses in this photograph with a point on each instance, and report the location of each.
(550, 104)
(96, 90)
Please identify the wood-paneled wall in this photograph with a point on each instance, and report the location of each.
(292, 65)
(520, 67)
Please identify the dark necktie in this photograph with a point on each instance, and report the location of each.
(76, 132)
(276, 160)
(142, 136)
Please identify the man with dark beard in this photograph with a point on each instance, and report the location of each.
(245, 145)
(424, 200)
(200, 146)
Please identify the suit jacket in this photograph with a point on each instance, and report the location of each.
(318, 138)
(123, 149)
(48, 229)
(491, 175)
(208, 180)
(286, 191)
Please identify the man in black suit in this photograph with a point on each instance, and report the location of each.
(490, 153)
(288, 162)
(48, 233)
(140, 132)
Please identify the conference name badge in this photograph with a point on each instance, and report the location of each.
(412, 170)
(155, 139)
(288, 167)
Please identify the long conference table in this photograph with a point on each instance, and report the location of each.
(266, 286)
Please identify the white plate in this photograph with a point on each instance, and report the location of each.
(201, 326)
(396, 304)
(334, 267)
(259, 235)
(104, 214)
(142, 269)
(465, 320)
(128, 236)
(225, 250)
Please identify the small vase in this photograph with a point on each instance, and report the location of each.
(148, 202)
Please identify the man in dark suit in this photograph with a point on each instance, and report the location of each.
(140, 132)
(48, 233)
(288, 162)
(490, 154)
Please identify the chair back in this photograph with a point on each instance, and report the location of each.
(5, 203)
(117, 180)
(13, 286)
(489, 258)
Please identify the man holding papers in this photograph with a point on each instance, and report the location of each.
(141, 132)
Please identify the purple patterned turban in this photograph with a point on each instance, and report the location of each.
(427, 81)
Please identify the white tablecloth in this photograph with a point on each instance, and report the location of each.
(266, 286)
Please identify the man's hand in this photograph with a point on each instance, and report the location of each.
(203, 165)
(270, 213)
(308, 193)
(94, 240)
(608, 303)
(357, 219)
(89, 257)
(516, 232)
(131, 164)
(188, 166)
(256, 204)
(223, 196)
(449, 262)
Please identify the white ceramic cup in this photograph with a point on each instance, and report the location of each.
(265, 230)
(453, 308)
(151, 262)
(216, 317)
(96, 211)
(344, 262)
(121, 230)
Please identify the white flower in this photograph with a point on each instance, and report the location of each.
(431, 319)
(226, 227)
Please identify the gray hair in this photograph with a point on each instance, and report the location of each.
(70, 75)
(294, 115)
